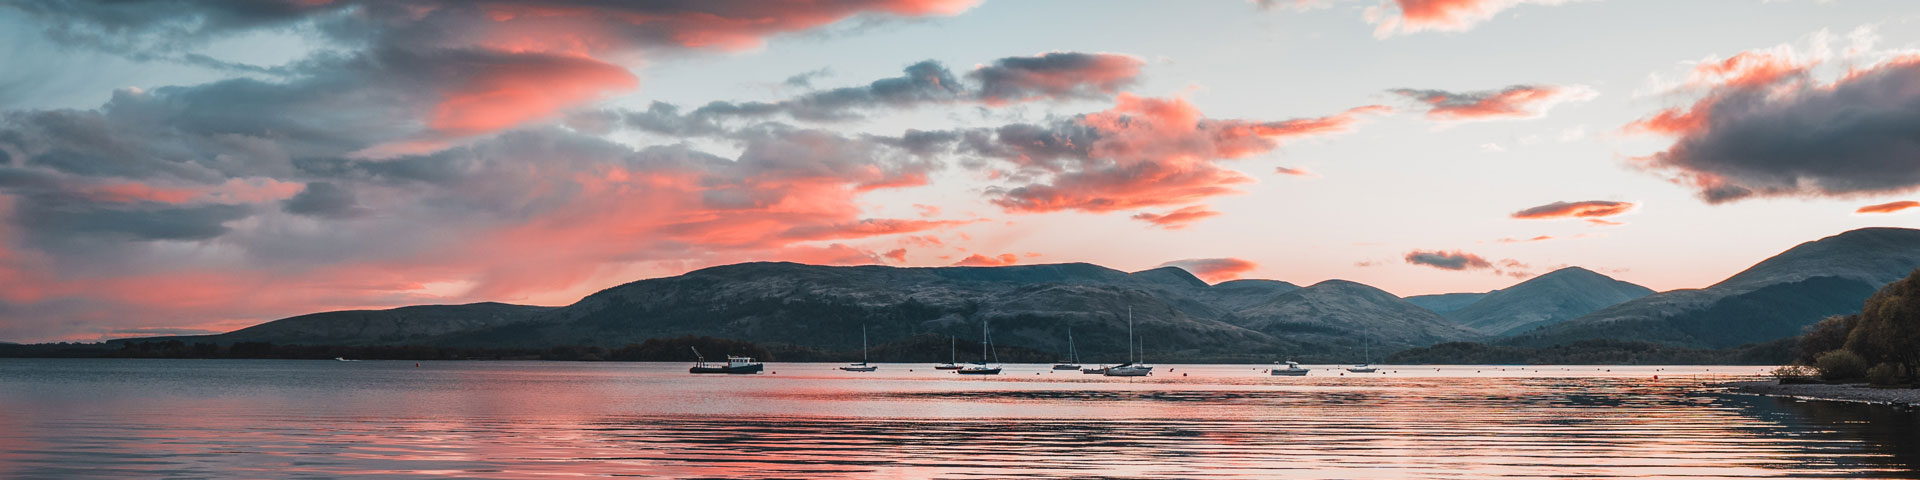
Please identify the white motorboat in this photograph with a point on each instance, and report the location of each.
(1293, 370)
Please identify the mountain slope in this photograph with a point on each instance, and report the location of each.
(1775, 298)
(371, 327)
(1339, 311)
(825, 307)
(1548, 299)
(1234, 295)
(1442, 303)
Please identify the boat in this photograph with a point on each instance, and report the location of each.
(1293, 370)
(1094, 370)
(863, 366)
(950, 365)
(1366, 364)
(1129, 369)
(981, 368)
(344, 359)
(1073, 355)
(734, 365)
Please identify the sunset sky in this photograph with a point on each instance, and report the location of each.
(190, 166)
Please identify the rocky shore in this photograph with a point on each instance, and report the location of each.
(1909, 397)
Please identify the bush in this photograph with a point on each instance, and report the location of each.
(1840, 365)
(1793, 374)
(1885, 374)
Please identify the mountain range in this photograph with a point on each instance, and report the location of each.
(1775, 298)
(1174, 315)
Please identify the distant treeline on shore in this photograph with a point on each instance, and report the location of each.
(918, 349)
(1596, 352)
(923, 348)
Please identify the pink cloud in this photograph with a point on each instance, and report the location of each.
(1584, 209)
(1214, 270)
(1888, 207)
(1393, 17)
(978, 260)
(1144, 153)
(1176, 219)
(1518, 101)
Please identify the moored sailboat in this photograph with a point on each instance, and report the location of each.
(863, 366)
(951, 364)
(1366, 361)
(1129, 369)
(986, 346)
(1073, 355)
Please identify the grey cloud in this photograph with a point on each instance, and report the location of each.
(1853, 139)
(1056, 75)
(53, 220)
(324, 200)
(805, 79)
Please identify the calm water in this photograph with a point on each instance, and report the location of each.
(259, 418)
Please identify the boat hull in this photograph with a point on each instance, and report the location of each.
(979, 371)
(1128, 371)
(1290, 373)
(1094, 371)
(1066, 367)
(730, 369)
(946, 367)
(860, 368)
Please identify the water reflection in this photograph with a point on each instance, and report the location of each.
(115, 418)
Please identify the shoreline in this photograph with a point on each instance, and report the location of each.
(1852, 392)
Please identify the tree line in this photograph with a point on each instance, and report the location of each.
(1879, 345)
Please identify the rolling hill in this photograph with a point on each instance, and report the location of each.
(1544, 300)
(1773, 299)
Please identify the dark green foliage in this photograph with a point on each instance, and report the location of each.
(1885, 374)
(1886, 335)
(1826, 336)
(1594, 352)
(1840, 365)
(1889, 328)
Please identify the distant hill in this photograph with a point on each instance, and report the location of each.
(1238, 294)
(1446, 302)
(1548, 299)
(398, 326)
(1775, 298)
(1337, 308)
(1175, 314)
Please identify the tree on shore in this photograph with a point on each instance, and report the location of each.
(1881, 343)
(1889, 327)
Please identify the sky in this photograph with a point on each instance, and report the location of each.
(196, 166)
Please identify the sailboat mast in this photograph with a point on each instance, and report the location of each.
(1073, 355)
(1129, 334)
(863, 344)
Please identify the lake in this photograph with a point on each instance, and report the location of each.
(267, 418)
